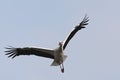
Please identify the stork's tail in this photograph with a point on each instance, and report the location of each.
(57, 64)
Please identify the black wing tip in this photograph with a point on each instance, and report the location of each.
(85, 20)
(11, 52)
(83, 23)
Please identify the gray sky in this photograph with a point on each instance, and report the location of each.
(93, 53)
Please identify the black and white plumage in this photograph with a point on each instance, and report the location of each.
(56, 54)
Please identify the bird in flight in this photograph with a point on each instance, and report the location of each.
(56, 54)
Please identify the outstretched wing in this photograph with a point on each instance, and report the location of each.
(13, 52)
(75, 29)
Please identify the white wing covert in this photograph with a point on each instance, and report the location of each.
(75, 30)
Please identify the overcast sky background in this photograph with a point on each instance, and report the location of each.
(93, 53)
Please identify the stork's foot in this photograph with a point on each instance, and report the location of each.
(62, 70)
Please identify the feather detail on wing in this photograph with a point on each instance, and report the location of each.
(75, 30)
(13, 52)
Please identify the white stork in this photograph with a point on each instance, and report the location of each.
(56, 54)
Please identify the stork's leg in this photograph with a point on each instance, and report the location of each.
(62, 68)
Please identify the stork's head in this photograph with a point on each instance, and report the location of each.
(60, 43)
